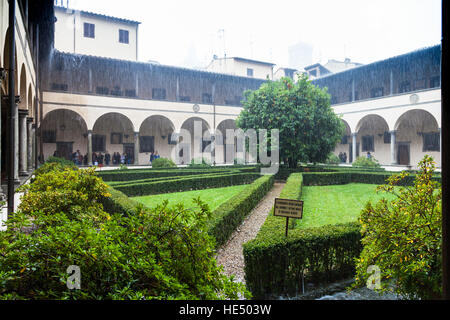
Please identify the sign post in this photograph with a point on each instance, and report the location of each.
(289, 209)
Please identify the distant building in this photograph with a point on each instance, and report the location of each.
(242, 67)
(285, 72)
(318, 70)
(88, 33)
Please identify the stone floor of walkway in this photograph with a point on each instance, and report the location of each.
(230, 255)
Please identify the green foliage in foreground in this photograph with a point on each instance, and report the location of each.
(403, 237)
(160, 253)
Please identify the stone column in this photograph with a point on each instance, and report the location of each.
(30, 140)
(393, 151)
(136, 148)
(2, 77)
(354, 134)
(89, 148)
(213, 149)
(23, 143)
(33, 145)
(16, 140)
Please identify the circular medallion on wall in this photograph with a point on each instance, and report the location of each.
(414, 98)
(196, 108)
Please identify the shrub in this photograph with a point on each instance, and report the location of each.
(54, 163)
(228, 216)
(163, 163)
(333, 159)
(196, 163)
(186, 183)
(403, 237)
(365, 162)
(160, 253)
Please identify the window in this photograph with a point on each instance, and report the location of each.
(206, 98)
(60, 87)
(249, 72)
(431, 141)
(130, 93)
(405, 86)
(98, 143)
(435, 82)
(89, 30)
(376, 92)
(344, 139)
(116, 91)
(102, 90)
(116, 138)
(49, 136)
(146, 143)
(367, 143)
(123, 36)
(387, 137)
(419, 84)
(159, 93)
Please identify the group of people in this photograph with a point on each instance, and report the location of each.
(153, 156)
(99, 158)
(343, 157)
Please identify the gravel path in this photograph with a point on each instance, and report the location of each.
(230, 255)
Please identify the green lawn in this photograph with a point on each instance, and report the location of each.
(336, 203)
(213, 197)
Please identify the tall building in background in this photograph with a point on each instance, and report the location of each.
(300, 55)
(88, 33)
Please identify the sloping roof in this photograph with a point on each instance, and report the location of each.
(98, 15)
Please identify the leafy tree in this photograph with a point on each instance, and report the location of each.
(403, 237)
(309, 128)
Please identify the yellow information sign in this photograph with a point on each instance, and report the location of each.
(288, 208)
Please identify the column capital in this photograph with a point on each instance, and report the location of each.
(354, 134)
(393, 131)
(23, 113)
(136, 133)
(30, 119)
(16, 99)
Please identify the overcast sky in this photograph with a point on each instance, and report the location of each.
(187, 32)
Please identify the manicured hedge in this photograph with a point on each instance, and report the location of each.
(228, 216)
(344, 177)
(119, 203)
(139, 174)
(275, 265)
(186, 184)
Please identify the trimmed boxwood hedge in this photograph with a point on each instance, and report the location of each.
(139, 174)
(229, 215)
(275, 265)
(186, 184)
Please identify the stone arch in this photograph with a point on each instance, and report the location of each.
(417, 133)
(114, 132)
(23, 88)
(64, 131)
(192, 148)
(6, 53)
(343, 147)
(221, 154)
(372, 131)
(155, 135)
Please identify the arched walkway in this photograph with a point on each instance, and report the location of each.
(345, 145)
(417, 133)
(114, 133)
(63, 132)
(198, 131)
(222, 154)
(155, 136)
(372, 135)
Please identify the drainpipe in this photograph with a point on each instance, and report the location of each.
(12, 105)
